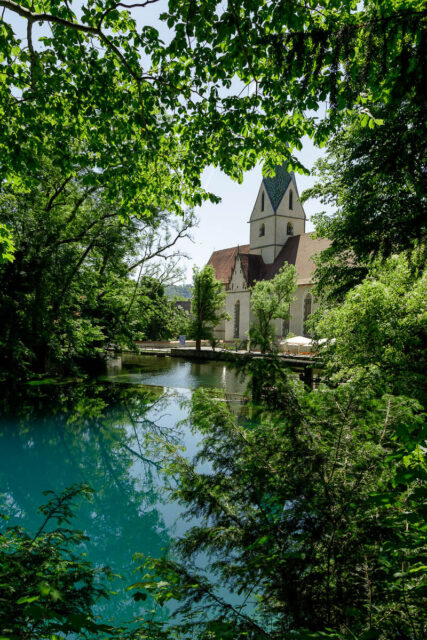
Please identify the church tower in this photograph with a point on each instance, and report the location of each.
(277, 215)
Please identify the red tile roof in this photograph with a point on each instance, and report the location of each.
(223, 261)
(298, 250)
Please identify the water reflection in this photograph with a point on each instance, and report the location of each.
(103, 433)
(96, 434)
(174, 373)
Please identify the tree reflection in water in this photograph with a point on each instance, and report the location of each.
(57, 435)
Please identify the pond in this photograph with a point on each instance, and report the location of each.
(105, 433)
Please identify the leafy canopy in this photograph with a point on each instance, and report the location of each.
(375, 180)
(70, 293)
(379, 330)
(214, 84)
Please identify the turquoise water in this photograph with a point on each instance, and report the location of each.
(106, 433)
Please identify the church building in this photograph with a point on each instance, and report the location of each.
(277, 235)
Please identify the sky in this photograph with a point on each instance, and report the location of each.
(226, 224)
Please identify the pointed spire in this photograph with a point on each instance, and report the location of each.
(277, 185)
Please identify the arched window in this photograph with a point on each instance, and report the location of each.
(262, 201)
(307, 311)
(291, 199)
(262, 230)
(237, 319)
(290, 229)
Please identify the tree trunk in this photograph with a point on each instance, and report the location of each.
(198, 345)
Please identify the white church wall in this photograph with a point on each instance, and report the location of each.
(296, 324)
(269, 229)
(237, 292)
(285, 215)
(243, 297)
(262, 217)
(237, 282)
(258, 212)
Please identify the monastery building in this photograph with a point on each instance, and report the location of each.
(277, 235)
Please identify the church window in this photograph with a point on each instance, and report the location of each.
(290, 229)
(237, 319)
(307, 311)
(291, 199)
(262, 201)
(262, 230)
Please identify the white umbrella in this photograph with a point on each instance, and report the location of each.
(300, 341)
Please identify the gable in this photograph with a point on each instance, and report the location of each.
(237, 280)
(258, 211)
(223, 262)
(271, 193)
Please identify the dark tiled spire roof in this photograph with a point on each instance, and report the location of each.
(277, 185)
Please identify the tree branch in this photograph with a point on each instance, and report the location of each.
(126, 6)
(81, 235)
(56, 193)
(76, 26)
(158, 253)
(31, 50)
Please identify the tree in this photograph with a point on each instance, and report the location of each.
(376, 181)
(70, 292)
(156, 316)
(270, 299)
(224, 85)
(379, 329)
(7, 246)
(307, 518)
(46, 587)
(206, 304)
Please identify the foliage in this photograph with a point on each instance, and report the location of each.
(7, 246)
(379, 330)
(270, 299)
(310, 516)
(146, 110)
(179, 291)
(375, 180)
(70, 291)
(311, 505)
(98, 432)
(47, 587)
(159, 318)
(206, 304)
